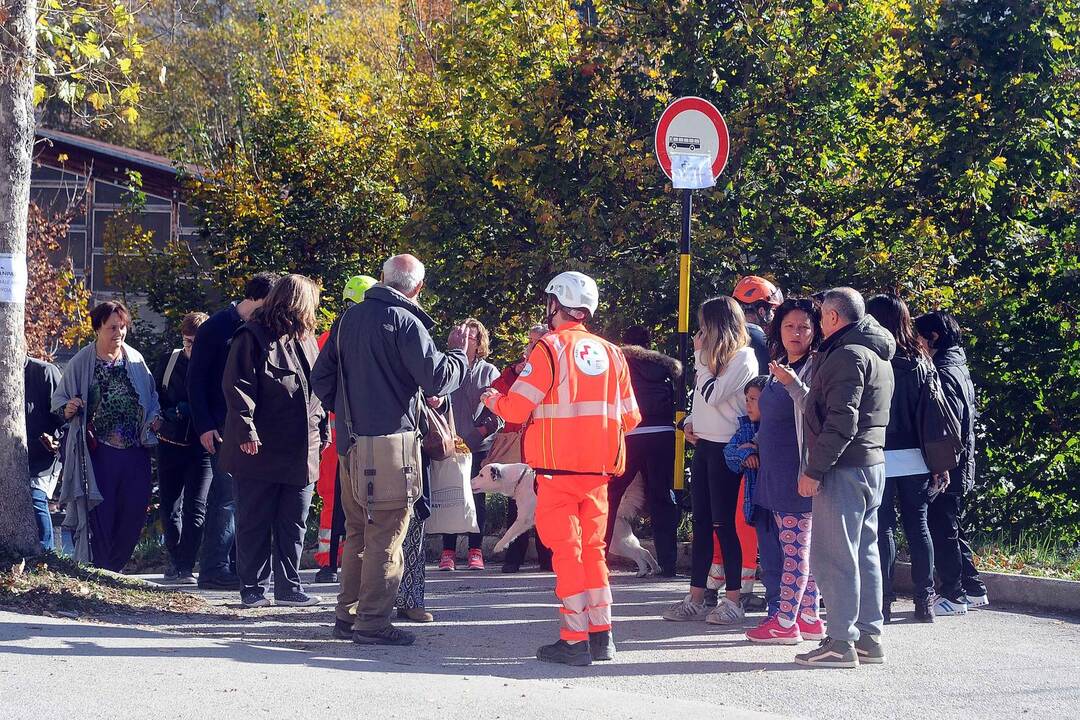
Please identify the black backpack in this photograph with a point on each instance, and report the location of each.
(939, 427)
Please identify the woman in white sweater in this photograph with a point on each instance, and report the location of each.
(724, 364)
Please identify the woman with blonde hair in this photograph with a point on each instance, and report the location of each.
(724, 364)
(275, 430)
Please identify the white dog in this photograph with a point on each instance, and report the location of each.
(517, 481)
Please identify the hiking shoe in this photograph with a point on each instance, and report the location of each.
(924, 610)
(726, 613)
(943, 606)
(297, 598)
(717, 579)
(712, 597)
(388, 635)
(977, 601)
(253, 598)
(811, 629)
(771, 632)
(576, 654)
(219, 581)
(830, 653)
(476, 559)
(342, 630)
(184, 577)
(686, 610)
(446, 561)
(869, 650)
(602, 645)
(417, 615)
(326, 575)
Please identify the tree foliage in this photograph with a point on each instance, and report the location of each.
(922, 147)
(56, 299)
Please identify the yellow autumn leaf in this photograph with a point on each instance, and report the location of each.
(124, 64)
(97, 100)
(130, 115)
(39, 94)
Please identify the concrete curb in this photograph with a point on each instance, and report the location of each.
(1021, 590)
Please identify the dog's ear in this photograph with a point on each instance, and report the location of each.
(496, 472)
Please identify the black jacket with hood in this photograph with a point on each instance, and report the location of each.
(908, 402)
(847, 408)
(387, 357)
(959, 390)
(653, 376)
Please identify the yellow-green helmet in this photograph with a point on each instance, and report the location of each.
(357, 286)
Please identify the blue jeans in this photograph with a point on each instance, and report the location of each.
(771, 557)
(218, 551)
(44, 519)
(911, 491)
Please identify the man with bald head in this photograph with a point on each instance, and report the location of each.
(845, 416)
(377, 361)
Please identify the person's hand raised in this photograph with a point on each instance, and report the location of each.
(460, 339)
(783, 373)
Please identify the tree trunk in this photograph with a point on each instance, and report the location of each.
(18, 533)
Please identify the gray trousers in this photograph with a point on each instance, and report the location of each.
(844, 554)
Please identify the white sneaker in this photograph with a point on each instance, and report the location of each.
(686, 610)
(726, 613)
(717, 578)
(977, 601)
(943, 606)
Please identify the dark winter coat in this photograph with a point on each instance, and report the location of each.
(959, 390)
(177, 427)
(267, 391)
(205, 369)
(847, 409)
(41, 378)
(387, 357)
(760, 343)
(653, 376)
(910, 375)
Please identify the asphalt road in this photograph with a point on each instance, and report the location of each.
(476, 662)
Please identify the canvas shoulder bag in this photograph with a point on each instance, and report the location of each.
(384, 470)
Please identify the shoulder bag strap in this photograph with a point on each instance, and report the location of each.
(169, 369)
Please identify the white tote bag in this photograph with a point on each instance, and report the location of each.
(452, 507)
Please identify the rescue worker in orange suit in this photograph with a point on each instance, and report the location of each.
(576, 388)
(353, 293)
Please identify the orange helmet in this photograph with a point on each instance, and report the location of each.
(752, 289)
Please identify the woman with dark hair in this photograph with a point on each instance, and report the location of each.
(275, 431)
(184, 470)
(782, 516)
(110, 403)
(724, 364)
(907, 478)
(960, 585)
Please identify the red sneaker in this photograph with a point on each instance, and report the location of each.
(476, 559)
(771, 632)
(811, 629)
(446, 561)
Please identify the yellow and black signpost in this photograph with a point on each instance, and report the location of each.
(691, 145)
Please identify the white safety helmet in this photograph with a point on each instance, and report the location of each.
(575, 290)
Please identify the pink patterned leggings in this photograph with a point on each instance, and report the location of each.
(798, 591)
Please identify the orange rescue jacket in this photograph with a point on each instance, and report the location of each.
(575, 394)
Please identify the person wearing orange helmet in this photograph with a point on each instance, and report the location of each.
(759, 299)
(576, 388)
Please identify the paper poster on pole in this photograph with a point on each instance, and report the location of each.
(691, 172)
(12, 278)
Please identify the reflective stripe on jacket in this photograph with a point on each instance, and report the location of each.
(575, 392)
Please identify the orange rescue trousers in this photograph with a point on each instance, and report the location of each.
(747, 540)
(571, 518)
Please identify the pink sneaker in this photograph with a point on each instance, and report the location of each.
(476, 559)
(771, 632)
(446, 561)
(811, 629)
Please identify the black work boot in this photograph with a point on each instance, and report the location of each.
(602, 645)
(576, 654)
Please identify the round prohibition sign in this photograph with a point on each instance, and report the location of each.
(694, 126)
